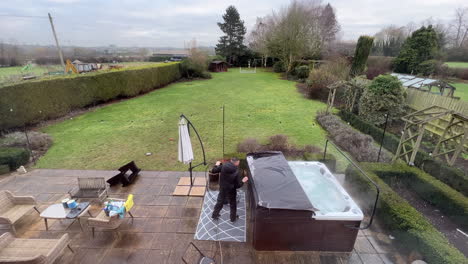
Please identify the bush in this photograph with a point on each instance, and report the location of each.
(30, 102)
(385, 95)
(279, 67)
(4, 169)
(359, 145)
(453, 177)
(460, 73)
(428, 67)
(279, 143)
(410, 228)
(363, 48)
(329, 160)
(249, 145)
(377, 65)
(320, 78)
(447, 200)
(38, 141)
(13, 157)
(302, 72)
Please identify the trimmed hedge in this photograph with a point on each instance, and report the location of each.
(30, 102)
(410, 228)
(453, 177)
(329, 161)
(4, 169)
(447, 200)
(13, 157)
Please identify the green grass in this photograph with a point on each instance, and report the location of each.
(35, 70)
(257, 105)
(455, 64)
(461, 91)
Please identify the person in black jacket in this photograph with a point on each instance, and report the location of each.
(229, 182)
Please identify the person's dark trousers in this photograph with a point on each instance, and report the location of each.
(226, 195)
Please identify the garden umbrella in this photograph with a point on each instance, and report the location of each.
(185, 145)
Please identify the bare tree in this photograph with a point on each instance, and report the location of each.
(296, 32)
(459, 27)
(258, 37)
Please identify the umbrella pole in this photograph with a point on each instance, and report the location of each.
(189, 124)
(191, 169)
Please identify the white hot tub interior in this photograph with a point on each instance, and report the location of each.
(325, 192)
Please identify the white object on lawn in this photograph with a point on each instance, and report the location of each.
(21, 169)
(185, 144)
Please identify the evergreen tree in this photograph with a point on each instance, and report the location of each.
(231, 44)
(361, 54)
(420, 47)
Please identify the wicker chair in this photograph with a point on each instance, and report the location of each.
(31, 251)
(105, 222)
(90, 188)
(12, 208)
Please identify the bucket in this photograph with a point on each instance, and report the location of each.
(72, 204)
(64, 202)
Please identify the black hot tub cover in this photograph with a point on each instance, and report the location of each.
(274, 182)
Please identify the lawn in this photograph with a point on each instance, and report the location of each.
(455, 64)
(257, 105)
(461, 91)
(36, 70)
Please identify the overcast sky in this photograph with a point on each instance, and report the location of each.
(160, 23)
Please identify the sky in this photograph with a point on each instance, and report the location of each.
(171, 23)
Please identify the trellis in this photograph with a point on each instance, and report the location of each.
(452, 141)
(413, 131)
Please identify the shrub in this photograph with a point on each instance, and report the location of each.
(447, 200)
(385, 95)
(453, 177)
(320, 78)
(249, 145)
(302, 72)
(404, 222)
(427, 67)
(13, 157)
(460, 73)
(361, 146)
(377, 65)
(279, 67)
(4, 169)
(38, 141)
(363, 48)
(279, 143)
(30, 102)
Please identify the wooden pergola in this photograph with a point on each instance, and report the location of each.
(450, 144)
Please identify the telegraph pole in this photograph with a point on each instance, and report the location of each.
(57, 42)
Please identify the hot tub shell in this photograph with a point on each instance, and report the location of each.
(292, 225)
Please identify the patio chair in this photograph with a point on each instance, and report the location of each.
(110, 223)
(202, 258)
(31, 251)
(90, 188)
(12, 208)
(127, 175)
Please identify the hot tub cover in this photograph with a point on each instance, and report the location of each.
(275, 183)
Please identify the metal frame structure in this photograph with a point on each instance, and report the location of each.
(189, 124)
(425, 84)
(413, 132)
(453, 139)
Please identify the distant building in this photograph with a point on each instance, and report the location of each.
(172, 54)
(218, 66)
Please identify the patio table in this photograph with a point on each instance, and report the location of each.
(57, 211)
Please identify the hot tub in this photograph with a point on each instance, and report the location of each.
(299, 206)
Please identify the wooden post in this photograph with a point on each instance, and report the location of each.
(57, 43)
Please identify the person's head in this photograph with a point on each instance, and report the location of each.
(235, 161)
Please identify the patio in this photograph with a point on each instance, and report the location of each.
(163, 226)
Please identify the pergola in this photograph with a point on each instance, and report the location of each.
(425, 84)
(449, 145)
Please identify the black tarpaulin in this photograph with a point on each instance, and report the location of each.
(274, 182)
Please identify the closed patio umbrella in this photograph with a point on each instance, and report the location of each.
(185, 145)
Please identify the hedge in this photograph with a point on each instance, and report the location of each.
(13, 157)
(453, 177)
(30, 102)
(329, 161)
(410, 228)
(4, 169)
(447, 200)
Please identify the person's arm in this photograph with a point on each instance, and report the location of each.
(217, 168)
(240, 180)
